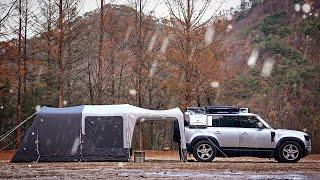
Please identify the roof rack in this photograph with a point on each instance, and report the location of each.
(222, 110)
(217, 110)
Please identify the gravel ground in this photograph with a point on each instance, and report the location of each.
(159, 166)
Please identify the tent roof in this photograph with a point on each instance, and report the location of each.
(126, 109)
(114, 110)
(66, 110)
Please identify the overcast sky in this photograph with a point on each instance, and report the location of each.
(158, 6)
(161, 9)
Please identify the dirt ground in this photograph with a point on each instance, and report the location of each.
(165, 165)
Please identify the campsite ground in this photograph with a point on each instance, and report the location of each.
(165, 164)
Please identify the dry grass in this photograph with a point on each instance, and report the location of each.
(6, 155)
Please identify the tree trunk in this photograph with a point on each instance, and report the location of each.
(25, 54)
(20, 71)
(188, 88)
(139, 94)
(60, 60)
(101, 56)
(50, 79)
(112, 79)
(120, 82)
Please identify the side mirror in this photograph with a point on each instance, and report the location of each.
(260, 125)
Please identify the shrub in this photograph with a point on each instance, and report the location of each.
(274, 25)
(286, 51)
(310, 26)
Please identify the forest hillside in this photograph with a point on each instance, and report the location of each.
(263, 55)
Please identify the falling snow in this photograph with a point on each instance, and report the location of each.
(10, 91)
(38, 107)
(306, 8)
(297, 7)
(267, 67)
(214, 84)
(153, 69)
(128, 34)
(132, 92)
(164, 45)
(253, 58)
(304, 16)
(208, 37)
(75, 146)
(65, 102)
(229, 17)
(153, 41)
(316, 14)
(142, 120)
(229, 27)
(1, 107)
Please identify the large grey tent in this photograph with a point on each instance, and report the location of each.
(88, 133)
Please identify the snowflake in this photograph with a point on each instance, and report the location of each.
(214, 84)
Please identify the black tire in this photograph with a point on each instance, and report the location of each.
(276, 156)
(204, 151)
(289, 152)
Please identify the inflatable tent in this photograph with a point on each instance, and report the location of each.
(88, 133)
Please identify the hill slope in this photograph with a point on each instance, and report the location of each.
(289, 97)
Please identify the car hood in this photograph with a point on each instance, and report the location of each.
(292, 132)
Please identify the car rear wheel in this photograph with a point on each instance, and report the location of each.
(289, 152)
(204, 151)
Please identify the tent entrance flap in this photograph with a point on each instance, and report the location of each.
(104, 139)
(57, 138)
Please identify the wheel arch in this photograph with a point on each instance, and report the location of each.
(284, 139)
(201, 138)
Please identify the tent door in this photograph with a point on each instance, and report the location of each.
(103, 140)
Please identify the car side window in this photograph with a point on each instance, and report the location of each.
(216, 121)
(213, 121)
(228, 121)
(248, 122)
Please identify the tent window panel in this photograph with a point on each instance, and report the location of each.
(105, 131)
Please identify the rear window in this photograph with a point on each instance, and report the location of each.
(223, 121)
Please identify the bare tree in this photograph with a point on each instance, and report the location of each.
(60, 59)
(188, 19)
(101, 55)
(20, 69)
(25, 68)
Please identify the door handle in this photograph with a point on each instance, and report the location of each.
(217, 132)
(244, 133)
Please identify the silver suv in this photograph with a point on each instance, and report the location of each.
(230, 131)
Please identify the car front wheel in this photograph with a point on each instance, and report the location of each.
(204, 151)
(289, 152)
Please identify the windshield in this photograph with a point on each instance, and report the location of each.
(263, 121)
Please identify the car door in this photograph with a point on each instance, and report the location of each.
(252, 137)
(225, 129)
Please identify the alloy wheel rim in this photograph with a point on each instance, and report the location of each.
(290, 152)
(204, 151)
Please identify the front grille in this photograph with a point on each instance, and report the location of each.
(307, 138)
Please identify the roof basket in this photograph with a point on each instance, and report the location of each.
(244, 110)
(197, 110)
(222, 110)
